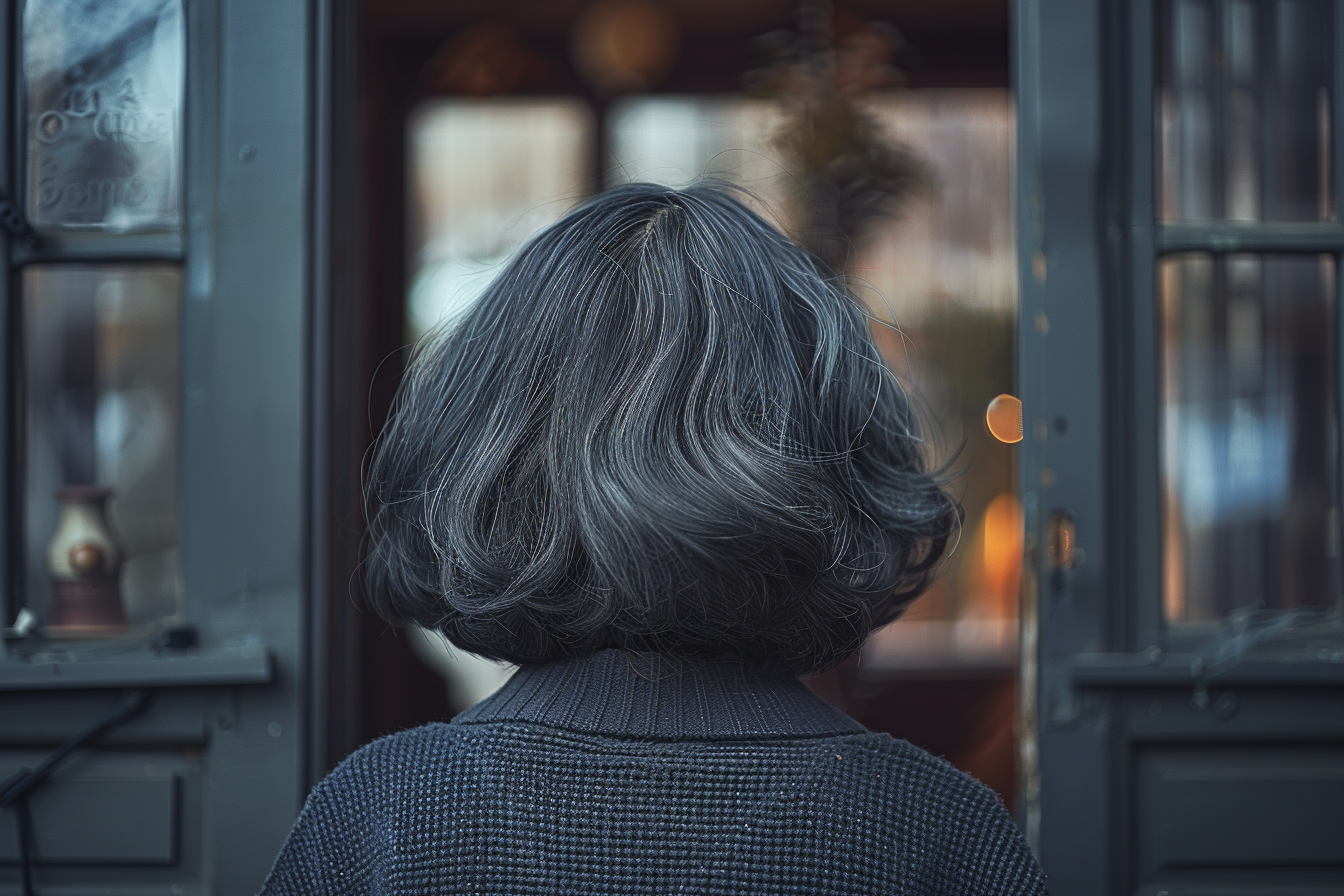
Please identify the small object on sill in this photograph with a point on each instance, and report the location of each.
(176, 637)
(24, 625)
(84, 562)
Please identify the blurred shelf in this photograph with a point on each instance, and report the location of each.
(942, 647)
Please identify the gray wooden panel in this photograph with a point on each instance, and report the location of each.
(174, 716)
(120, 819)
(1221, 807)
(244, 466)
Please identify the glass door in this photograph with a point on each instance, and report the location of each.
(1180, 345)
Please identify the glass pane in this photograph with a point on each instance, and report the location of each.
(101, 372)
(484, 176)
(1249, 441)
(1243, 110)
(104, 113)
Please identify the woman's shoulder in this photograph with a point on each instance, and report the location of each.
(918, 764)
(892, 775)
(931, 784)
(976, 845)
(405, 751)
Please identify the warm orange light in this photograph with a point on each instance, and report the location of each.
(1004, 418)
(1002, 537)
(624, 45)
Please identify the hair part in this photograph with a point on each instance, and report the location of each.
(660, 428)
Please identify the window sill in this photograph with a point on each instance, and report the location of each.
(1124, 670)
(55, 669)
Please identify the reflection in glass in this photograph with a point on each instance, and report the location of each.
(101, 372)
(104, 113)
(484, 176)
(1249, 434)
(1243, 110)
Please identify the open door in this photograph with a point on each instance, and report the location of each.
(1178, 210)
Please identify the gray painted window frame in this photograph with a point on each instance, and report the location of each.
(253, 492)
(1096, 656)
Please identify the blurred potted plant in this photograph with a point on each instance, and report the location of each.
(849, 174)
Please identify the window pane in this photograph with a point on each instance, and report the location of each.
(101, 372)
(1243, 110)
(484, 176)
(104, 113)
(1249, 441)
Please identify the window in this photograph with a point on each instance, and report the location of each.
(99, 355)
(1249, 422)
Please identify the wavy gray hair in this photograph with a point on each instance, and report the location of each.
(661, 428)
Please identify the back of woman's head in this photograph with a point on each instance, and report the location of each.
(661, 428)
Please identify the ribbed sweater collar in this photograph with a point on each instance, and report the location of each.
(618, 693)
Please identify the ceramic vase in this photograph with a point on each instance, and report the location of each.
(84, 562)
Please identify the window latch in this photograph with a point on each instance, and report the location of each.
(14, 223)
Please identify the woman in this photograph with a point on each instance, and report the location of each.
(661, 466)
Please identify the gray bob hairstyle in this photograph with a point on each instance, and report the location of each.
(661, 428)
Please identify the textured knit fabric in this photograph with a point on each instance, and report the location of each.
(624, 775)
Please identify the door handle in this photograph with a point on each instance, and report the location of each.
(1061, 548)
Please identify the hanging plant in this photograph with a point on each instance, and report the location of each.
(849, 175)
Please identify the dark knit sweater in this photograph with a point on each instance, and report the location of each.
(618, 775)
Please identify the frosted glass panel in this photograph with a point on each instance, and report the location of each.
(1249, 434)
(101, 350)
(104, 113)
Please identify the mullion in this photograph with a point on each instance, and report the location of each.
(59, 246)
(1143, 466)
(11, 545)
(1336, 174)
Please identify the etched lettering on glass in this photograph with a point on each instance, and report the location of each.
(104, 95)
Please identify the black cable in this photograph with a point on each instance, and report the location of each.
(25, 820)
(14, 791)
